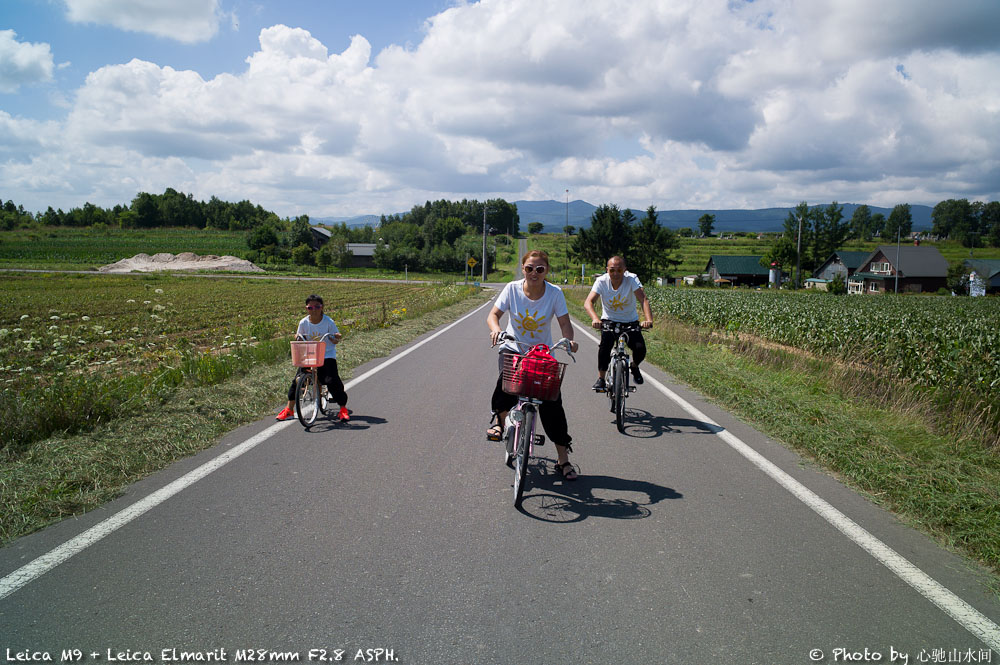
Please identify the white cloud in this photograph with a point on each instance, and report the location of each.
(734, 104)
(187, 21)
(22, 63)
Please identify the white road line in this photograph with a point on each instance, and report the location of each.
(969, 617)
(47, 562)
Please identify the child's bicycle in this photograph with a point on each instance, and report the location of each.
(534, 381)
(618, 388)
(310, 397)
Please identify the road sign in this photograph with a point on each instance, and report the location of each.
(472, 262)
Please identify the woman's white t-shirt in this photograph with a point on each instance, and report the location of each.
(618, 304)
(313, 332)
(530, 321)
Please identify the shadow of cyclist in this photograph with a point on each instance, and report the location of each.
(551, 499)
(355, 423)
(642, 424)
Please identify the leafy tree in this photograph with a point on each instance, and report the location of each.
(878, 224)
(609, 234)
(649, 254)
(838, 286)
(954, 219)
(262, 237)
(958, 278)
(535, 227)
(900, 220)
(147, 211)
(831, 233)
(334, 253)
(569, 230)
(989, 222)
(861, 223)
(303, 255)
(705, 224)
(301, 232)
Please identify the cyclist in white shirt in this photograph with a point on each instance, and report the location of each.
(619, 291)
(533, 306)
(317, 326)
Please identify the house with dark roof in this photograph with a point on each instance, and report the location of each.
(988, 270)
(736, 270)
(841, 262)
(362, 253)
(906, 268)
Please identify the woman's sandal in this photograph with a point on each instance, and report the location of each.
(494, 433)
(567, 470)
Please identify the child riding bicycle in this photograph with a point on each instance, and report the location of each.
(313, 327)
(619, 292)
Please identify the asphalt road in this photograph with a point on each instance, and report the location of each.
(691, 539)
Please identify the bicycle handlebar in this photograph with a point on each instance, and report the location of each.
(300, 338)
(563, 343)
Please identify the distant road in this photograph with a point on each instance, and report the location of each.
(179, 273)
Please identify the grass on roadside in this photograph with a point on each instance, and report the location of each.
(68, 475)
(885, 446)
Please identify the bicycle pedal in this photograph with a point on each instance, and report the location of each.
(539, 440)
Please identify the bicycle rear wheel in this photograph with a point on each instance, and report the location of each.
(306, 394)
(524, 434)
(621, 386)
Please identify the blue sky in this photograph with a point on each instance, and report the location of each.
(345, 107)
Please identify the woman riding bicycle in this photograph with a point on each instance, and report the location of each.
(532, 304)
(619, 291)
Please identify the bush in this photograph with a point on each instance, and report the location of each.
(303, 255)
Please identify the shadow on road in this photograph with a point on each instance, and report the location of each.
(356, 422)
(549, 498)
(642, 424)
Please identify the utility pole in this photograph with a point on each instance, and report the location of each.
(484, 243)
(566, 231)
(798, 256)
(898, 227)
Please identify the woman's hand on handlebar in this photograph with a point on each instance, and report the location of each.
(497, 336)
(647, 324)
(595, 324)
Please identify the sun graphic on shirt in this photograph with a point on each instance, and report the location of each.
(617, 303)
(529, 323)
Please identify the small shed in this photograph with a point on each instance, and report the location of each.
(988, 270)
(738, 270)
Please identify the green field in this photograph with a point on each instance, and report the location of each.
(77, 350)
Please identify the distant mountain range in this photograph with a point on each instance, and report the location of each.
(554, 215)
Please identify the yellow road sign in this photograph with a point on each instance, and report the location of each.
(472, 262)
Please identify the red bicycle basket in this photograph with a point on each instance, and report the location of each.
(534, 377)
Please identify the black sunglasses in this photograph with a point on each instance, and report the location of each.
(538, 269)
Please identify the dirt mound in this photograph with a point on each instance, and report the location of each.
(182, 261)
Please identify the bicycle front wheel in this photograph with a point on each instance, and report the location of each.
(524, 434)
(620, 388)
(306, 398)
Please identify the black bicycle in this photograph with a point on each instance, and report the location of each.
(620, 386)
(311, 398)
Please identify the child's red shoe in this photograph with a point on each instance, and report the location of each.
(286, 414)
(343, 415)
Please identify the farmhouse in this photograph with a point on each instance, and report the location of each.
(915, 269)
(362, 253)
(736, 270)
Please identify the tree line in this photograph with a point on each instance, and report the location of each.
(644, 244)
(147, 211)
